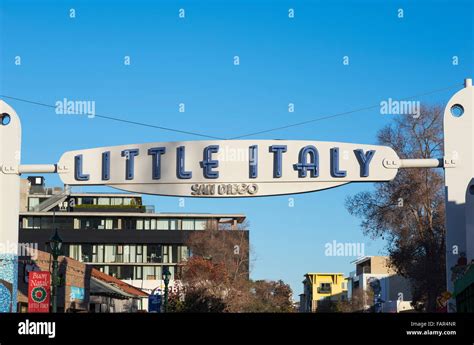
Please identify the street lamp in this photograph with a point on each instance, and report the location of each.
(55, 243)
(166, 277)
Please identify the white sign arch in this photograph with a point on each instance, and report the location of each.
(248, 168)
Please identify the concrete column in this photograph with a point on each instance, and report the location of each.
(10, 150)
(459, 173)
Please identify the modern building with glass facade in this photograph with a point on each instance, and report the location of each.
(114, 232)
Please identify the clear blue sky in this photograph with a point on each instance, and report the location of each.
(190, 61)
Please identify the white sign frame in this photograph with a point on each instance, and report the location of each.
(458, 163)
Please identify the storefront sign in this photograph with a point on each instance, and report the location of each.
(234, 168)
(76, 294)
(39, 284)
(154, 303)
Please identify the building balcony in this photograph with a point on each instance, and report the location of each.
(109, 208)
(324, 290)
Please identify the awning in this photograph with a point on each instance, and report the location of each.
(100, 288)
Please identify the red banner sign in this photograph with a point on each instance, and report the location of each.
(39, 287)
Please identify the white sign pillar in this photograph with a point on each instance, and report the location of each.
(459, 183)
(10, 142)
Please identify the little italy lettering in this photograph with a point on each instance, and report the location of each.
(208, 169)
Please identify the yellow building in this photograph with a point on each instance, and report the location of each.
(320, 289)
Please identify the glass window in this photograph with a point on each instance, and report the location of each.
(166, 254)
(171, 269)
(149, 272)
(86, 252)
(154, 253)
(139, 224)
(109, 253)
(88, 200)
(116, 201)
(32, 203)
(109, 224)
(153, 224)
(163, 224)
(100, 253)
(125, 272)
(182, 253)
(113, 271)
(133, 257)
(146, 224)
(60, 222)
(103, 201)
(138, 272)
(174, 224)
(174, 254)
(158, 272)
(129, 223)
(34, 223)
(200, 224)
(119, 253)
(75, 252)
(94, 253)
(139, 257)
(77, 223)
(188, 224)
(127, 201)
(101, 224)
(126, 253)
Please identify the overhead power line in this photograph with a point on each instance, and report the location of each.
(326, 117)
(113, 118)
(320, 118)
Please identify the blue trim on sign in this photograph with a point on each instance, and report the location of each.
(130, 162)
(180, 170)
(106, 166)
(156, 153)
(78, 175)
(335, 172)
(253, 161)
(364, 161)
(278, 151)
(207, 163)
(303, 165)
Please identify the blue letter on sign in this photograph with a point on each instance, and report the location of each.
(156, 153)
(277, 150)
(105, 166)
(207, 164)
(180, 172)
(303, 166)
(253, 161)
(78, 169)
(129, 162)
(364, 161)
(335, 172)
